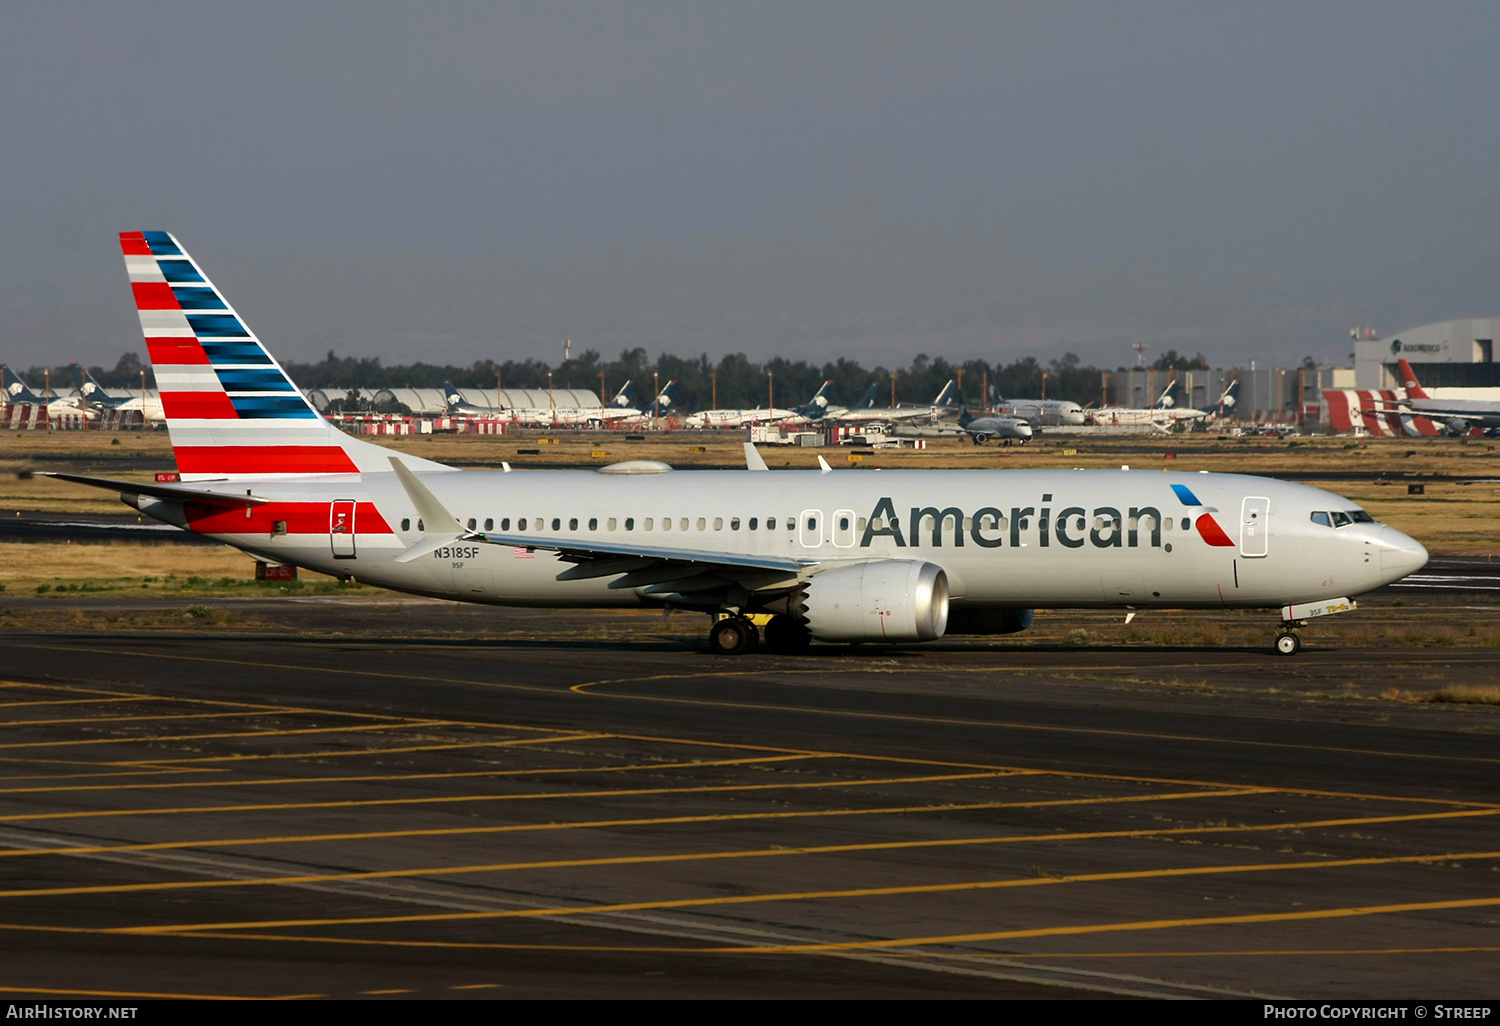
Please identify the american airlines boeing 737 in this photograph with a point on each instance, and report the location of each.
(849, 556)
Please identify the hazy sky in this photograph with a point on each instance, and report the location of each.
(458, 181)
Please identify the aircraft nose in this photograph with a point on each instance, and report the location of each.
(1399, 555)
(1025, 430)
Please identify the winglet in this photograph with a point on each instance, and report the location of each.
(753, 459)
(824, 464)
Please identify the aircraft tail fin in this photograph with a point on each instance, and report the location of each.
(621, 401)
(664, 397)
(867, 401)
(231, 409)
(817, 406)
(1409, 381)
(16, 390)
(947, 394)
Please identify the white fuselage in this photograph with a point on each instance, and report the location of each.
(1058, 538)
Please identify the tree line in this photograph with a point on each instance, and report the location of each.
(733, 381)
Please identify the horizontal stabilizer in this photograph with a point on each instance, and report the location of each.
(172, 493)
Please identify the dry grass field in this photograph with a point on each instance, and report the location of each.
(1456, 515)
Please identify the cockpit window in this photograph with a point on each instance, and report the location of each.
(1341, 519)
(1322, 518)
(1359, 516)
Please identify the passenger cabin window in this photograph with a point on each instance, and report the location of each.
(557, 523)
(489, 523)
(718, 523)
(770, 523)
(1322, 518)
(682, 525)
(521, 524)
(611, 523)
(573, 524)
(734, 523)
(1187, 523)
(471, 523)
(406, 523)
(505, 524)
(702, 524)
(630, 523)
(754, 521)
(593, 523)
(648, 523)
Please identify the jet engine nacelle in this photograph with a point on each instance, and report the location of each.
(885, 600)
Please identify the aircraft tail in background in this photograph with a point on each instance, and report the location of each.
(1414, 389)
(16, 390)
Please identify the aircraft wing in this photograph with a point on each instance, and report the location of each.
(171, 492)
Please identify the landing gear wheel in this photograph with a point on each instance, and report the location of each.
(1287, 644)
(732, 635)
(786, 636)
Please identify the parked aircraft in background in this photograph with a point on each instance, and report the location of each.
(98, 397)
(622, 412)
(728, 418)
(1166, 411)
(17, 391)
(1458, 416)
(816, 408)
(898, 556)
(1224, 408)
(1040, 412)
(946, 400)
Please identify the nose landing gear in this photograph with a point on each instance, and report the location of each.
(1295, 616)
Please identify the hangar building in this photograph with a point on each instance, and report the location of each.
(1448, 354)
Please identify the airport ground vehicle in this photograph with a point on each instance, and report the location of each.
(897, 556)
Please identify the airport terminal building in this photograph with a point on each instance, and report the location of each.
(1447, 354)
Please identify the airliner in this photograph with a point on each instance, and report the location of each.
(813, 410)
(865, 412)
(1458, 416)
(1165, 412)
(851, 556)
(982, 429)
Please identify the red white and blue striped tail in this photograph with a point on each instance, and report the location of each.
(231, 409)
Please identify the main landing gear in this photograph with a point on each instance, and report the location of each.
(733, 635)
(736, 634)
